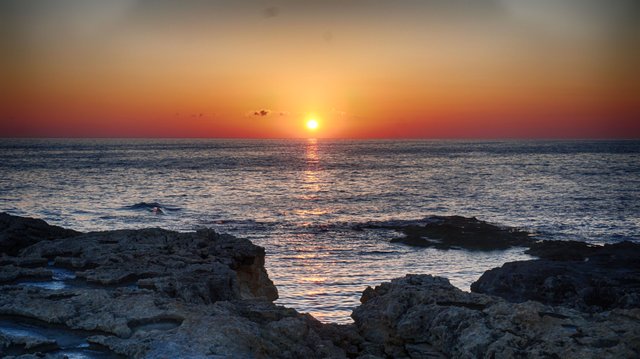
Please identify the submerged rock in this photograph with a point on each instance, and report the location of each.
(420, 316)
(447, 232)
(576, 275)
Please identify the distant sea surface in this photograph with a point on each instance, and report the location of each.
(302, 199)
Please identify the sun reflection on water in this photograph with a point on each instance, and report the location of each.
(312, 183)
(311, 151)
(310, 176)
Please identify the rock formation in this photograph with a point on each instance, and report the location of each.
(420, 316)
(146, 293)
(19, 232)
(571, 274)
(455, 232)
(154, 293)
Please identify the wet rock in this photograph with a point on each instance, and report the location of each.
(21, 343)
(17, 233)
(577, 275)
(577, 251)
(154, 293)
(140, 324)
(201, 267)
(11, 273)
(423, 316)
(449, 232)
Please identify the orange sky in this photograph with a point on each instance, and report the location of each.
(364, 69)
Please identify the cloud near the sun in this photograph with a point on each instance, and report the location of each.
(265, 112)
(269, 113)
(262, 112)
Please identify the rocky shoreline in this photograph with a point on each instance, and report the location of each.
(155, 293)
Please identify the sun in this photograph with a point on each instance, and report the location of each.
(312, 124)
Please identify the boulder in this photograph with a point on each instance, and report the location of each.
(420, 316)
(17, 233)
(577, 275)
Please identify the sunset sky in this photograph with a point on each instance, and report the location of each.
(362, 69)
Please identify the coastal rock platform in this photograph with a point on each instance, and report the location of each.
(420, 316)
(147, 293)
(153, 293)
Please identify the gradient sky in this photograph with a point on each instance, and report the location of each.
(364, 69)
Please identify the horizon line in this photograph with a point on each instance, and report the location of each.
(515, 138)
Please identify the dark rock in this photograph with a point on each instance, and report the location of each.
(201, 267)
(621, 253)
(142, 324)
(577, 275)
(154, 293)
(420, 316)
(562, 250)
(17, 233)
(447, 232)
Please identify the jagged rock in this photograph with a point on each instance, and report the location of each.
(420, 315)
(17, 233)
(581, 276)
(201, 267)
(450, 232)
(154, 293)
(140, 324)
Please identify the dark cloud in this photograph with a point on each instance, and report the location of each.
(615, 13)
(262, 112)
(267, 113)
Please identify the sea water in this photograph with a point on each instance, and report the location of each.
(303, 200)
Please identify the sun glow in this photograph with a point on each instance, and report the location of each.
(312, 124)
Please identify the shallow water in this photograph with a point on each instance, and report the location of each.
(70, 343)
(301, 199)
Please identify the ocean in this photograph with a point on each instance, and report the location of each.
(304, 200)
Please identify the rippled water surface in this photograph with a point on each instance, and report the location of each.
(301, 199)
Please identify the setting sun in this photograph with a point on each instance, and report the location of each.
(312, 124)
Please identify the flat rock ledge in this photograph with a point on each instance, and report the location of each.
(455, 232)
(154, 293)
